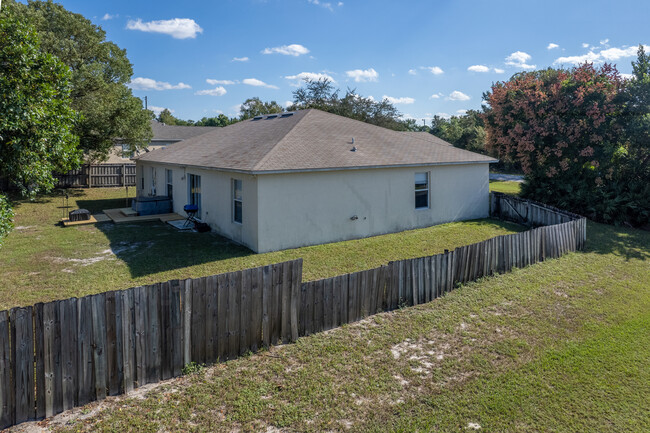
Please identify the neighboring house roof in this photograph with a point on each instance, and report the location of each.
(162, 132)
(309, 140)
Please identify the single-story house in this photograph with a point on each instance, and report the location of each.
(310, 177)
(163, 135)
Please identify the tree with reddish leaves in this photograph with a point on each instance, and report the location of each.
(565, 129)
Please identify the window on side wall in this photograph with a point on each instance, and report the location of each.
(170, 185)
(237, 200)
(422, 190)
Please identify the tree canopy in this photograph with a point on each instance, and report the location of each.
(36, 135)
(36, 123)
(573, 132)
(100, 74)
(322, 94)
(221, 120)
(255, 107)
(466, 132)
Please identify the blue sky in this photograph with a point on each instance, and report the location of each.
(429, 57)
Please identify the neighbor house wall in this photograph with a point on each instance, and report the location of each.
(298, 209)
(216, 198)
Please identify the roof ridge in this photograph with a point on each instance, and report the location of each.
(268, 154)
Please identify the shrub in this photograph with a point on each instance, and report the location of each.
(6, 218)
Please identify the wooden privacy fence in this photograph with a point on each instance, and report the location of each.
(98, 175)
(62, 354)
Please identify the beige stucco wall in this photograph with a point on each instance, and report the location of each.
(216, 198)
(317, 207)
(296, 209)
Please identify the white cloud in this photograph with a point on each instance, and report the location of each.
(326, 5)
(239, 59)
(288, 104)
(627, 76)
(478, 68)
(435, 70)
(499, 70)
(457, 95)
(258, 83)
(585, 45)
(361, 75)
(217, 91)
(518, 59)
(220, 82)
(287, 50)
(443, 115)
(178, 28)
(236, 109)
(461, 112)
(612, 54)
(140, 83)
(590, 57)
(413, 72)
(604, 42)
(552, 46)
(108, 16)
(156, 110)
(436, 96)
(606, 55)
(402, 100)
(312, 76)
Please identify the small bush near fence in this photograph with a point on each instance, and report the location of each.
(63, 354)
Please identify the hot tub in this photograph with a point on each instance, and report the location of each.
(152, 205)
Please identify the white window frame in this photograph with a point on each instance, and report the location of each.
(169, 181)
(236, 200)
(427, 189)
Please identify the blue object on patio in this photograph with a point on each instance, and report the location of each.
(190, 210)
(152, 205)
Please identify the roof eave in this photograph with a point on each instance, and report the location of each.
(320, 169)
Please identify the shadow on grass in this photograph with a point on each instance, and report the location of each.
(152, 247)
(620, 241)
(96, 206)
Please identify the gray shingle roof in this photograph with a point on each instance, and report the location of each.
(162, 132)
(309, 140)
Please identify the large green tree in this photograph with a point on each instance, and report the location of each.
(168, 118)
(466, 131)
(322, 94)
(100, 74)
(256, 107)
(632, 175)
(579, 136)
(36, 120)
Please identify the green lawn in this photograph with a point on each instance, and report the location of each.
(42, 261)
(560, 346)
(507, 187)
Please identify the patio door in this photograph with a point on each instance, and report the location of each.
(194, 191)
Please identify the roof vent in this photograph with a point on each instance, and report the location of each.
(352, 140)
(257, 117)
(272, 116)
(287, 115)
(354, 149)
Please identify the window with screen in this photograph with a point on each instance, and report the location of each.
(421, 190)
(170, 187)
(237, 200)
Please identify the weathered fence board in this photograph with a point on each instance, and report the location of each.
(61, 354)
(98, 175)
(6, 397)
